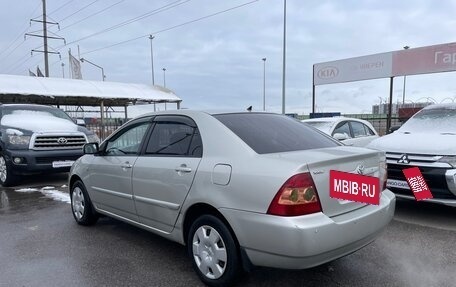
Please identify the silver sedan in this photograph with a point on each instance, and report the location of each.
(238, 189)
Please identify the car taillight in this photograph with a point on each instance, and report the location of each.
(297, 196)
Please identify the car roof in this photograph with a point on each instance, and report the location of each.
(330, 119)
(189, 112)
(441, 106)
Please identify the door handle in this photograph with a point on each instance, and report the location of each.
(183, 168)
(126, 165)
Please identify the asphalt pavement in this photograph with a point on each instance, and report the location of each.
(41, 245)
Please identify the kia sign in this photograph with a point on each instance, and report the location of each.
(354, 69)
(431, 59)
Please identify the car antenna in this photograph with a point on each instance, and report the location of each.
(249, 109)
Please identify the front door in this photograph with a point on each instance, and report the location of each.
(109, 180)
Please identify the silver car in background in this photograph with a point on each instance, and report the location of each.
(238, 189)
(350, 131)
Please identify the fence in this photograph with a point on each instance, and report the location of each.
(110, 125)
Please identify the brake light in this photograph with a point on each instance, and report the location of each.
(297, 196)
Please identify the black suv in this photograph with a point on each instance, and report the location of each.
(36, 139)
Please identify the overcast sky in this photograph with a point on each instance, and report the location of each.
(216, 63)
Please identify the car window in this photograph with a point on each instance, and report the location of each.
(176, 139)
(358, 129)
(322, 126)
(369, 131)
(272, 133)
(129, 141)
(440, 119)
(343, 128)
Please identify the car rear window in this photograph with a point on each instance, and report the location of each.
(272, 133)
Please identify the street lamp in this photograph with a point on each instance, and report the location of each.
(264, 84)
(152, 58)
(164, 77)
(63, 70)
(403, 89)
(284, 61)
(102, 70)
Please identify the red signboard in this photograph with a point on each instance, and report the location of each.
(417, 183)
(424, 60)
(354, 187)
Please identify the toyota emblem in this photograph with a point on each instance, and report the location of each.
(62, 140)
(360, 169)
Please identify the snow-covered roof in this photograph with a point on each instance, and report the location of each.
(40, 90)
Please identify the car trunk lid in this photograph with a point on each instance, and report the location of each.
(319, 162)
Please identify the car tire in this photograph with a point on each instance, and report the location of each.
(214, 252)
(81, 205)
(7, 178)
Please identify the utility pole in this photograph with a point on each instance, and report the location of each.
(46, 58)
(284, 53)
(152, 58)
(264, 84)
(45, 39)
(164, 77)
(63, 70)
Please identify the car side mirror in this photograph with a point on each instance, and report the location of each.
(91, 148)
(340, 136)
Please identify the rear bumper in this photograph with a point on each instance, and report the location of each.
(306, 241)
(40, 161)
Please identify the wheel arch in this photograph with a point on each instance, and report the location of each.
(199, 209)
(73, 179)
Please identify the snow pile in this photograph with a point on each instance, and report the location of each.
(50, 192)
(38, 122)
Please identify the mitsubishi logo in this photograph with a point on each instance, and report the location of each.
(360, 169)
(403, 159)
(62, 140)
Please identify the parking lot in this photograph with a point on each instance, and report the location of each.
(41, 245)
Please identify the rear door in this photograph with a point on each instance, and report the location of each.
(164, 173)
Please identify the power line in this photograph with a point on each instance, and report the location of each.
(171, 28)
(22, 33)
(64, 5)
(18, 65)
(77, 11)
(91, 15)
(132, 20)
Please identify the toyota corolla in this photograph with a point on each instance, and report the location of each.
(238, 189)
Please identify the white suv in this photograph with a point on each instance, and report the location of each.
(427, 141)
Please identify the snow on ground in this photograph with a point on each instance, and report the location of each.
(50, 192)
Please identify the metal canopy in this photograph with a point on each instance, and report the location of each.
(71, 92)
